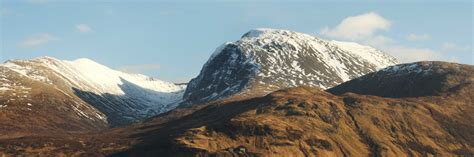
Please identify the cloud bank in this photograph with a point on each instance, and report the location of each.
(37, 40)
(367, 29)
(418, 37)
(140, 68)
(83, 28)
(360, 27)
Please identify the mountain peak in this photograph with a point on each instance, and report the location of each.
(266, 32)
(45, 58)
(275, 34)
(262, 37)
(85, 60)
(77, 62)
(271, 59)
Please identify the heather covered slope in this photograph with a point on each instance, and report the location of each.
(310, 122)
(417, 79)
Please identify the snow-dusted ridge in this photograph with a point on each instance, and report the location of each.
(104, 79)
(297, 42)
(125, 96)
(91, 76)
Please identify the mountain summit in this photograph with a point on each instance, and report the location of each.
(271, 59)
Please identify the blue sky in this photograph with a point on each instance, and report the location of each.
(171, 40)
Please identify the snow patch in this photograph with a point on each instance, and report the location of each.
(366, 53)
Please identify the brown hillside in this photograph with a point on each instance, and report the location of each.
(310, 122)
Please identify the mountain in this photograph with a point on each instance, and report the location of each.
(412, 80)
(269, 59)
(307, 121)
(346, 120)
(65, 92)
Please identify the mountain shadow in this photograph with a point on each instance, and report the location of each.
(137, 103)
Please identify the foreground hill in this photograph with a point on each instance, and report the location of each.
(269, 59)
(413, 80)
(46, 95)
(310, 122)
(302, 121)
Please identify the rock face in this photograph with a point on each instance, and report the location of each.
(269, 59)
(89, 91)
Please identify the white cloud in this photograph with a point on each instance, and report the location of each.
(449, 46)
(36, 40)
(140, 68)
(418, 37)
(359, 27)
(366, 29)
(83, 28)
(408, 54)
(453, 59)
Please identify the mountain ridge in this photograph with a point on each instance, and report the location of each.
(122, 97)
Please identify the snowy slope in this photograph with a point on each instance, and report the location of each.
(270, 59)
(123, 97)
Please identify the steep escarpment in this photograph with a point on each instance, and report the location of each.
(267, 60)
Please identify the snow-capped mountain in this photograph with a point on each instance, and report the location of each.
(117, 97)
(270, 59)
